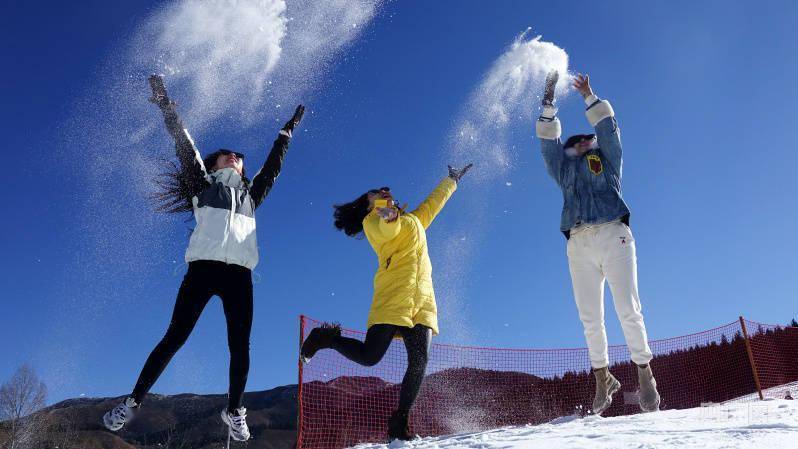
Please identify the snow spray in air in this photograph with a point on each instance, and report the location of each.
(246, 58)
(505, 101)
(499, 112)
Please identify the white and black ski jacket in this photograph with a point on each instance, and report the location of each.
(224, 203)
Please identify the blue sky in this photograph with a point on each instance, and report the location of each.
(704, 93)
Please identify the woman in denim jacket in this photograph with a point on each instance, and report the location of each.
(595, 220)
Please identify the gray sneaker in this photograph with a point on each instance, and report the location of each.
(649, 397)
(606, 386)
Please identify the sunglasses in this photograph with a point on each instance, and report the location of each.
(229, 152)
(381, 189)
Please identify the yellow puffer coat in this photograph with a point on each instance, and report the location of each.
(403, 293)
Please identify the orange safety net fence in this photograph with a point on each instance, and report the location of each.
(472, 388)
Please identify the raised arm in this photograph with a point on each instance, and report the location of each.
(263, 181)
(191, 166)
(601, 116)
(548, 130)
(430, 207)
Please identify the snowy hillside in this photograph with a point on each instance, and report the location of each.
(777, 392)
(769, 424)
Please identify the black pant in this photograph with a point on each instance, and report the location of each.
(205, 278)
(378, 339)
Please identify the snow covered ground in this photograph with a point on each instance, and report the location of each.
(777, 392)
(769, 424)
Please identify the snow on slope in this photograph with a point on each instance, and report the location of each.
(768, 425)
(776, 392)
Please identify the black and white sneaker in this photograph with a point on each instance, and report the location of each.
(237, 423)
(120, 415)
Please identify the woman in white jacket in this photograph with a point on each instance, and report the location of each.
(221, 254)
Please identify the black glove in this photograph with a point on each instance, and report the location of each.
(551, 83)
(159, 95)
(291, 124)
(456, 174)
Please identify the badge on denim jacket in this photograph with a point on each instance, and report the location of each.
(594, 164)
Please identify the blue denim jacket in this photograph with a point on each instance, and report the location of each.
(590, 183)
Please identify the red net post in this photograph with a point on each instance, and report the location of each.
(751, 358)
(473, 388)
(301, 381)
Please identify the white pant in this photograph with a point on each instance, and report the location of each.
(600, 252)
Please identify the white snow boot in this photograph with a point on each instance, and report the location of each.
(119, 415)
(649, 397)
(237, 423)
(606, 386)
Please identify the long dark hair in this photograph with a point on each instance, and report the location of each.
(349, 217)
(176, 189)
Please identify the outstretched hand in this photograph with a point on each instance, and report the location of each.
(159, 95)
(582, 84)
(294, 121)
(456, 174)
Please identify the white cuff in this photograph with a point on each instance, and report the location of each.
(591, 99)
(599, 112)
(548, 130)
(285, 133)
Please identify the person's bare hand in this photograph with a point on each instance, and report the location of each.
(582, 84)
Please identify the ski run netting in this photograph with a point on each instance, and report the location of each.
(470, 389)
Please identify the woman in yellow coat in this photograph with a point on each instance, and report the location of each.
(404, 300)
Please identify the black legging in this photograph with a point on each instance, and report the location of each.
(233, 284)
(378, 339)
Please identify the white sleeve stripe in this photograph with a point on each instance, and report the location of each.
(197, 154)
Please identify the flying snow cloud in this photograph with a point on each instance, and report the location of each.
(217, 54)
(505, 100)
(243, 57)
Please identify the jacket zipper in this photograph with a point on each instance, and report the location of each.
(576, 191)
(418, 258)
(230, 224)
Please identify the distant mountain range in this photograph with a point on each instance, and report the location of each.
(184, 421)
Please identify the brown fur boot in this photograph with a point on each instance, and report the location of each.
(648, 394)
(606, 386)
